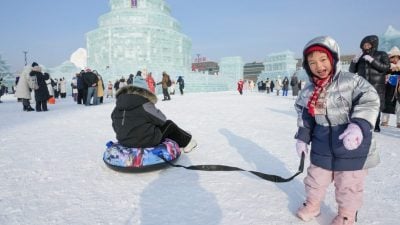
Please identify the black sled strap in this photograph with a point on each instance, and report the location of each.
(268, 177)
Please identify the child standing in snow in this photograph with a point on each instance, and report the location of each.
(337, 112)
(138, 123)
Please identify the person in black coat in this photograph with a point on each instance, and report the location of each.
(42, 93)
(90, 79)
(181, 84)
(294, 83)
(373, 65)
(139, 124)
(82, 88)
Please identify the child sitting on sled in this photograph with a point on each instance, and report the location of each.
(138, 123)
(336, 112)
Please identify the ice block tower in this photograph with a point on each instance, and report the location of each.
(138, 35)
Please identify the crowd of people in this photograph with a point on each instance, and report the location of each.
(3, 89)
(167, 84)
(87, 87)
(279, 85)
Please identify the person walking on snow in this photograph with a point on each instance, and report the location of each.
(181, 84)
(336, 113)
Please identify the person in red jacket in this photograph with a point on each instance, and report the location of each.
(240, 86)
(151, 83)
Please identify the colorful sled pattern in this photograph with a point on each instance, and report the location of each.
(126, 159)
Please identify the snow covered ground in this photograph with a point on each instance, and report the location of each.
(52, 171)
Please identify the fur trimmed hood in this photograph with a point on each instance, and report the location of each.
(132, 90)
(394, 52)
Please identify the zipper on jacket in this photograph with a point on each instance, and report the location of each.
(123, 118)
(330, 139)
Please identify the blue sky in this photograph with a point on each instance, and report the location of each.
(51, 30)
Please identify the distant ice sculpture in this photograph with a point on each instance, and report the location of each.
(79, 58)
(280, 64)
(144, 36)
(389, 39)
(140, 37)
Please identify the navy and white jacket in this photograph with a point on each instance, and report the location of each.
(350, 99)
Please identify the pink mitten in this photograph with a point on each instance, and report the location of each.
(301, 147)
(352, 136)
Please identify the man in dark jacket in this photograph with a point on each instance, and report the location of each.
(373, 66)
(42, 92)
(82, 88)
(181, 83)
(90, 79)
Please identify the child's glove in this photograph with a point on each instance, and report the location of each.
(352, 136)
(357, 57)
(301, 147)
(368, 58)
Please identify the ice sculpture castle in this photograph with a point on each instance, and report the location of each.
(142, 35)
(138, 35)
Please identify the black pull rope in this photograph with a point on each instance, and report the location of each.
(264, 176)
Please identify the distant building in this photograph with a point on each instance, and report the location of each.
(251, 71)
(208, 67)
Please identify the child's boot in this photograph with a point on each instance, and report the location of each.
(308, 211)
(192, 144)
(345, 218)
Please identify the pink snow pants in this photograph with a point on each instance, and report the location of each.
(349, 187)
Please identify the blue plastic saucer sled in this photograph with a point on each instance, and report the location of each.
(125, 159)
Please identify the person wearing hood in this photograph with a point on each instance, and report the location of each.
(392, 92)
(336, 114)
(139, 124)
(23, 90)
(373, 65)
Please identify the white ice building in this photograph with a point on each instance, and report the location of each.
(280, 64)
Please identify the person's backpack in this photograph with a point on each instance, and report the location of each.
(32, 82)
(169, 83)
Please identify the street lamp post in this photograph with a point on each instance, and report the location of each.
(198, 58)
(26, 60)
